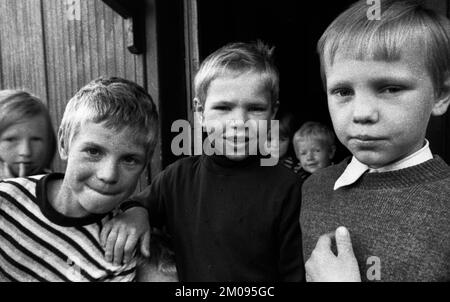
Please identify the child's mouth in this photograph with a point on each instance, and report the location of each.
(365, 143)
(102, 191)
(366, 138)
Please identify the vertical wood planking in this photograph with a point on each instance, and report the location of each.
(151, 75)
(22, 46)
(79, 51)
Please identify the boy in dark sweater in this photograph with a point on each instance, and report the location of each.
(384, 79)
(231, 217)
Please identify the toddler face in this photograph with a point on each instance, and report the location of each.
(380, 110)
(313, 154)
(103, 167)
(232, 102)
(25, 144)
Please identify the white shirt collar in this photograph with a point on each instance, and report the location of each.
(356, 169)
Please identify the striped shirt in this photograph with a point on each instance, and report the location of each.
(39, 244)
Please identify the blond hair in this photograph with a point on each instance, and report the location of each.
(315, 130)
(401, 23)
(118, 103)
(236, 59)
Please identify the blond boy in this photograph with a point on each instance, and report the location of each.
(50, 225)
(384, 79)
(314, 146)
(231, 218)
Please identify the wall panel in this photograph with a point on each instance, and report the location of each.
(22, 46)
(78, 51)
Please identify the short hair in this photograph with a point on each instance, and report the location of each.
(19, 105)
(236, 59)
(315, 130)
(118, 103)
(401, 22)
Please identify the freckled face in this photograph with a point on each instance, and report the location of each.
(103, 167)
(380, 110)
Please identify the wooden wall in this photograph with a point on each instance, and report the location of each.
(22, 56)
(54, 47)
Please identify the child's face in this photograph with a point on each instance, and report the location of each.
(278, 146)
(313, 154)
(380, 110)
(25, 144)
(240, 99)
(103, 167)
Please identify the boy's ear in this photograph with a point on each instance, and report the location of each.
(442, 103)
(62, 148)
(198, 107)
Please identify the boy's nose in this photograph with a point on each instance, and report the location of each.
(24, 149)
(365, 109)
(108, 172)
(239, 116)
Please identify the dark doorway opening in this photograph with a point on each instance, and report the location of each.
(293, 27)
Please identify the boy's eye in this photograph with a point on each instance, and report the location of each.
(131, 161)
(391, 89)
(257, 109)
(92, 152)
(221, 108)
(9, 139)
(342, 92)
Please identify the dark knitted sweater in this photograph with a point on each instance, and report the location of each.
(401, 217)
(230, 221)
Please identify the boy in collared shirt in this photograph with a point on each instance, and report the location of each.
(384, 79)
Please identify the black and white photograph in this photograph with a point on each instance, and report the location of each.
(224, 148)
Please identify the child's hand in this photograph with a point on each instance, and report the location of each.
(324, 266)
(120, 235)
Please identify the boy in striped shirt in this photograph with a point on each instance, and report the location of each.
(50, 225)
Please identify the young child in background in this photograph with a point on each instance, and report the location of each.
(314, 145)
(50, 225)
(27, 139)
(384, 79)
(231, 218)
(281, 145)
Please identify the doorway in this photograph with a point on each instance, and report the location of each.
(293, 28)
